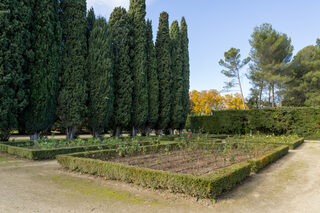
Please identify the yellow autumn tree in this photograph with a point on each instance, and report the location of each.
(204, 102)
(233, 101)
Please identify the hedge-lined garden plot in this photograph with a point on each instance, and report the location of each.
(200, 170)
(45, 149)
(194, 160)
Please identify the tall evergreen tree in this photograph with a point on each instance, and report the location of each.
(100, 65)
(153, 82)
(123, 85)
(72, 97)
(44, 68)
(177, 115)
(164, 71)
(137, 13)
(15, 22)
(91, 17)
(185, 69)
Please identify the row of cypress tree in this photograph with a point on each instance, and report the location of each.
(59, 63)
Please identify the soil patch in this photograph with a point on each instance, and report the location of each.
(197, 162)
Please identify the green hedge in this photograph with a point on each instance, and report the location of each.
(292, 145)
(33, 154)
(259, 163)
(209, 186)
(301, 121)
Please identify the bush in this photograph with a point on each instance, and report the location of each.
(221, 122)
(301, 121)
(32, 154)
(263, 161)
(209, 186)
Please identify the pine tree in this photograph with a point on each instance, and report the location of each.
(137, 13)
(164, 71)
(100, 66)
(123, 85)
(44, 68)
(185, 69)
(177, 115)
(15, 22)
(153, 82)
(72, 97)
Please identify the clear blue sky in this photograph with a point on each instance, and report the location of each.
(217, 25)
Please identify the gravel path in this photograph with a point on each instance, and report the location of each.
(290, 185)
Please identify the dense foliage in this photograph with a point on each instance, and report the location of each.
(164, 71)
(153, 82)
(123, 85)
(137, 13)
(14, 53)
(100, 77)
(73, 90)
(43, 68)
(63, 67)
(301, 121)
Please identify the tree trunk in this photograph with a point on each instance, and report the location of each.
(269, 95)
(70, 132)
(118, 131)
(242, 96)
(148, 131)
(96, 134)
(260, 97)
(280, 100)
(273, 102)
(134, 132)
(35, 136)
(180, 131)
(171, 131)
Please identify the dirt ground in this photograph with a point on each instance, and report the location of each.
(198, 162)
(290, 185)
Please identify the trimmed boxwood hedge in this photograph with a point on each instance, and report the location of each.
(292, 145)
(259, 163)
(304, 121)
(209, 186)
(33, 154)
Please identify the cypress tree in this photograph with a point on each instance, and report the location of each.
(91, 17)
(44, 68)
(185, 70)
(137, 13)
(72, 97)
(177, 115)
(164, 71)
(123, 85)
(153, 82)
(100, 77)
(15, 22)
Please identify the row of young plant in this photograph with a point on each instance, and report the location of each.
(60, 63)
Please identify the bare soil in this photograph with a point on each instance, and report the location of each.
(292, 184)
(196, 162)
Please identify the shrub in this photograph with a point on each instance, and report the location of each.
(301, 121)
(259, 163)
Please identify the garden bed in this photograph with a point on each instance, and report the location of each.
(181, 168)
(46, 150)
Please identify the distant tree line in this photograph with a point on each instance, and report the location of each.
(60, 64)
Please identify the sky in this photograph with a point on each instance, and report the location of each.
(217, 25)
